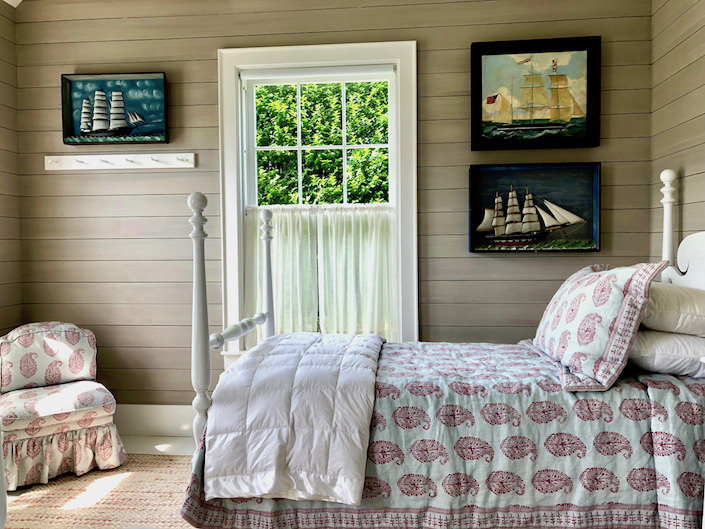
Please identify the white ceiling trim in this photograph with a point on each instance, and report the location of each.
(13, 3)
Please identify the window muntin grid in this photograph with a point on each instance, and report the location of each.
(349, 172)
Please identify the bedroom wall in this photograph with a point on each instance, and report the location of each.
(109, 251)
(678, 106)
(10, 286)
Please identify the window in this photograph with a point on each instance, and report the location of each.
(320, 143)
(281, 145)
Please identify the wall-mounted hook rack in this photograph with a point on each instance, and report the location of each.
(102, 162)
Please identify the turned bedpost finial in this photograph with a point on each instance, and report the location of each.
(200, 351)
(197, 202)
(265, 216)
(668, 176)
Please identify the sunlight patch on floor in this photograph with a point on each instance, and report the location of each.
(95, 492)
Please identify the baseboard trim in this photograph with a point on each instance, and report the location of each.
(154, 420)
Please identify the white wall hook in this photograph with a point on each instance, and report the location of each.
(103, 162)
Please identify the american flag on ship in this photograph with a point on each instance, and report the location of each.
(528, 59)
(491, 99)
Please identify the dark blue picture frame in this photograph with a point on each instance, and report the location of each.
(114, 108)
(569, 221)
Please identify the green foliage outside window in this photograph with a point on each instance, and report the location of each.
(321, 124)
(276, 115)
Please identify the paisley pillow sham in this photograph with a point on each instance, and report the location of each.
(590, 323)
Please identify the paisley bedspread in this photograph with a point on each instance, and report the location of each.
(482, 436)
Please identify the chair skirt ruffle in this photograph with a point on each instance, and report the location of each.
(39, 459)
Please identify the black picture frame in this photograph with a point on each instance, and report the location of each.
(566, 197)
(88, 116)
(535, 94)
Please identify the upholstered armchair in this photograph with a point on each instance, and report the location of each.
(55, 417)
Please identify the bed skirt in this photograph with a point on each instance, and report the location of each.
(246, 513)
(39, 459)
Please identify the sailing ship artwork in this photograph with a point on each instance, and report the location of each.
(114, 108)
(534, 207)
(533, 98)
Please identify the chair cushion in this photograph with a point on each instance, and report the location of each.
(46, 353)
(52, 409)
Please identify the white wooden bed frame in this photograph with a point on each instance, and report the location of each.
(690, 271)
(201, 343)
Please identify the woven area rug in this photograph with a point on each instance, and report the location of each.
(145, 492)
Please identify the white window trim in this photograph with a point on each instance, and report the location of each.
(233, 62)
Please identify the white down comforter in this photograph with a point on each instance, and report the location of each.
(291, 419)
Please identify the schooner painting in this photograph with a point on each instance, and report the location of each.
(535, 94)
(114, 108)
(535, 207)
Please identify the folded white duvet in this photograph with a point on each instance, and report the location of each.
(291, 419)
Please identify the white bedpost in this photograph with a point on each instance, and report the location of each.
(668, 176)
(200, 350)
(266, 229)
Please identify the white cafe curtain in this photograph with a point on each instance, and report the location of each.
(334, 268)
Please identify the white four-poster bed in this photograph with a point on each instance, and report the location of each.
(522, 486)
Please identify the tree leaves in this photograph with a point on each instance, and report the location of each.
(322, 179)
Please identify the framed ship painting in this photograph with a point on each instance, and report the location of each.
(535, 94)
(535, 207)
(114, 108)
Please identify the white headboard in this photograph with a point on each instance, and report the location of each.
(689, 269)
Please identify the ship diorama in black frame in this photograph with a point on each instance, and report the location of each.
(535, 207)
(535, 94)
(114, 108)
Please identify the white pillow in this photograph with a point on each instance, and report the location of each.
(675, 309)
(666, 352)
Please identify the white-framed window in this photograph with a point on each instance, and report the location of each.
(300, 69)
(316, 137)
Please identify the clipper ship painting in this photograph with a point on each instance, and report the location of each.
(536, 113)
(116, 108)
(534, 207)
(524, 96)
(100, 122)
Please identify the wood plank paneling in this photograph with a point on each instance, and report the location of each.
(120, 313)
(120, 357)
(150, 271)
(303, 21)
(678, 81)
(112, 293)
(448, 333)
(163, 205)
(109, 228)
(115, 249)
(10, 285)
(112, 249)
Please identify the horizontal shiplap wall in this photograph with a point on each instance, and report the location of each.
(110, 250)
(10, 286)
(678, 119)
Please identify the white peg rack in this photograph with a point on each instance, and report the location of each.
(102, 162)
